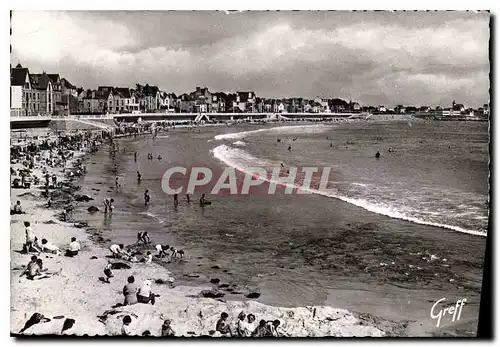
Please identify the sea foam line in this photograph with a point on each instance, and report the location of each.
(227, 154)
(286, 129)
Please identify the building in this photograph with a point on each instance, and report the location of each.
(185, 104)
(94, 101)
(246, 101)
(148, 97)
(202, 99)
(42, 94)
(21, 102)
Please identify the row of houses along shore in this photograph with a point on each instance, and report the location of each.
(52, 95)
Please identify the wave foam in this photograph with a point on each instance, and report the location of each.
(288, 129)
(241, 161)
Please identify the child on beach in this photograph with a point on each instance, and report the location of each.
(17, 209)
(143, 236)
(30, 238)
(222, 326)
(125, 327)
(108, 272)
(166, 329)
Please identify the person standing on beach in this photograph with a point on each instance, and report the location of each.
(135, 156)
(146, 197)
(30, 237)
(130, 291)
(138, 177)
(176, 200)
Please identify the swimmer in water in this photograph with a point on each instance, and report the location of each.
(289, 148)
(331, 144)
(377, 155)
(159, 157)
(146, 197)
(135, 156)
(138, 177)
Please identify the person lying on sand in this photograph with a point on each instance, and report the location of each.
(17, 209)
(145, 295)
(50, 248)
(166, 329)
(222, 326)
(143, 236)
(73, 248)
(130, 291)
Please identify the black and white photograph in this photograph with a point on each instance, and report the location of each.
(249, 174)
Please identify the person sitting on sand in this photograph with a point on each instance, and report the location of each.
(250, 326)
(32, 261)
(273, 328)
(241, 325)
(36, 271)
(143, 236)
(148, 259)
(166, 328)
(261, 330)
(145, 295)
(73, 248)
(107, 271)
(133, 258)
(17, 209)
(50, 248)
(130, 291)
(126, 325)
(222, 326)
(118, 251)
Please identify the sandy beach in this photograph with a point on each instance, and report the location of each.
(77, 292)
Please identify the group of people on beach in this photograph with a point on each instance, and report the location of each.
(248, 328)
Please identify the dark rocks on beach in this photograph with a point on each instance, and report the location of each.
(84, 198)
(253, 295)
(81, 224)
(192, 275)
(49, 222)
(93, 257)
(223, 285)
(93, 209)
(215, 267)
(212, 294)
(214, 280)
(119, 266)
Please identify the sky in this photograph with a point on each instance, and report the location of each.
(375, 58)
